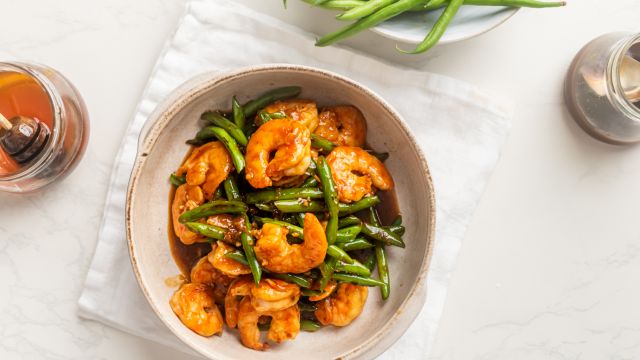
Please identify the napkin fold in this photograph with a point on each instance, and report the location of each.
(460, 130)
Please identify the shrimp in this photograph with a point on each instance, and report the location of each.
(274, 294)
(278, 256)
(328, 290)
(186, 198)
(285, 324)
(195, 307)
(207, 166)
(239, 288)
(355, 171)
(227, 266)
(343, 306)
(303, 111)
(343, 125)
(291, 142)
(204, 273)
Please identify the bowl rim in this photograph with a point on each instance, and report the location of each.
(196, 86)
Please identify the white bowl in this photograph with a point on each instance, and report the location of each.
(162, 149)
(412, 27)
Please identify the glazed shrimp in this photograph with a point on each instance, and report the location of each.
(238, 288)
(291, 143)
(277, 255)
(355, 171)
(269, 295)
(328, 290)
(303, 111)
(227, 266)
(195, 306)
(343, 125)
(285, 324)
(207, 166)
(204, 273)
(343, 306)
(186, 198)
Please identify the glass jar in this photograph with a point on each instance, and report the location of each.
(41, 92)
(602, 88)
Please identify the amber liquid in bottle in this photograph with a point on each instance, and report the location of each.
(22, 95)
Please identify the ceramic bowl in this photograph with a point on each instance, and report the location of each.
(470, 21)
(162, 149)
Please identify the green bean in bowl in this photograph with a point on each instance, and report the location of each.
(280, 214)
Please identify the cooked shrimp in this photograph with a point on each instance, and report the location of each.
(328, 290)
(343, 125)
(204, 273)
(186, 198)
(277, 255)
(239, 288)
(207, 166)
(341, 308)
(285, 324)
(194, 304)
(274, 294)
(291, 143)
(355, 170)
(224, 264)
(234, 226)
(303, 111)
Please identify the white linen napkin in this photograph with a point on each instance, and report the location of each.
(460, 130)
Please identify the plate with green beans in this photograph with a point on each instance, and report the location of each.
(424, 23)
(299, 207)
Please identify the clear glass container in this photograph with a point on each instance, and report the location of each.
(602, 88)
(41, 92)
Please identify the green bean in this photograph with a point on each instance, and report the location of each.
(374, 219)
(229, 126)
(300, 218)
(213, 208)
(357, 244)
(327, 269)
(293, 278)
(382, 235)
(311, 182)
(283, 194)
(348, 221)
(293, 230)
(266, 116)
(207, 230)
(252, 107)
(265, 207)
(309, 292)
(309, 325)
(307, 307)
(372, 20)
(238, 113)
(322, 143)
(397, 221)
(370, 261)
(176, 180)
(231, 188)
(330, 198)
(228, 141)
(383, 271)
(365, 9)
(356, 268)
(339, 254)
(219, 194)
(356, 279)
(516, 3)
(289, 206)
(338, 4)
(347, 209)
(438, 28)
(347, 234)
(254, 265)
(398, 230)
(237, 256)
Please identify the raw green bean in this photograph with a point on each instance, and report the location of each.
(397, 221)
(293, 278)
(330, 198)
(356, 268)
(283, 194)
(293, 230)
(238, 113)
(347, 209)
(296, 205)
(383, 235)
(228, 141)
(309, 325)
(252, 107)
(438, 28)
(356, 279)
(357, 244)
(337, 4)
(237, 256)
(348, 234)
(348, 221)
(231, 189)
(177, 180)
(372, 20)
(307, 307)
(327, 268)
(363, 10)
(207, 230)
(213, 208)
(383, 271)
(322, 143)
(229, 126)
(339, 254)
(254, 265)
(311, 182)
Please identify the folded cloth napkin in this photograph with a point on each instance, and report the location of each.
(460, 130)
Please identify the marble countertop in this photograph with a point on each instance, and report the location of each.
(550, 264)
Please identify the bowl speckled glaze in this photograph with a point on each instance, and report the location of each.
(161, 150)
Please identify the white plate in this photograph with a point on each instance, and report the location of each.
(470, 21)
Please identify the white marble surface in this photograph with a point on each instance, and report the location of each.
(551, 262)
